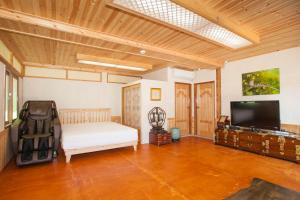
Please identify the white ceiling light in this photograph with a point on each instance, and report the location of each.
(171, 13)
(89, 62)
(142, 51)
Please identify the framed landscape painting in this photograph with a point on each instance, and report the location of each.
(264, 82)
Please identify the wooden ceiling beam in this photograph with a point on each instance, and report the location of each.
(203, 10)
(69, 28)
(171, 62)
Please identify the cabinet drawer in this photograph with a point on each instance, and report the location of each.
(245, 145)
(244, 136)
(291, 141)
(250, 137)
(251, 146)
(229, 143)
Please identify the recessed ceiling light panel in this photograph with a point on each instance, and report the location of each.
(89, 62)
(171, 13)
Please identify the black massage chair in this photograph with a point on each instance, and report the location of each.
(36, 133)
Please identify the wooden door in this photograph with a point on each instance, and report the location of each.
(205, 109)
(183, 108)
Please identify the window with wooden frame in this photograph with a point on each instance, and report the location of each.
(11, 97)
(15, 97)
(7, 98)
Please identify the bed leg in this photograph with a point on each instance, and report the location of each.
(135, 147)
(68, 158)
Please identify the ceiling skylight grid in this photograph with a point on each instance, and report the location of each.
(171, 13)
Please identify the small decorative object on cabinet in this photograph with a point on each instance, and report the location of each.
(277, 144)
(158, 135)
(223, 121)
(175, 134)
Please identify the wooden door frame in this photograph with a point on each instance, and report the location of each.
(195, 104)
(122, 118)
(190, 110)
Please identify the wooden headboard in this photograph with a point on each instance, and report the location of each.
(76, 116)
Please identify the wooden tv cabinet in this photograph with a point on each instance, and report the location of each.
(281, 145)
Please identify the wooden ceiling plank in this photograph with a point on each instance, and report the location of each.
(201, 9)
(152, 56)
(60, 26)
(113, 61)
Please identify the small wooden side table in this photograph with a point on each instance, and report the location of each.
(160, 137)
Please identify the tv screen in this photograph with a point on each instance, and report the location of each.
(256, 114)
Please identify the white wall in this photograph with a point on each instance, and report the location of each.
(289, 97)
(2, 94)
(74, 94)
(205, 75)
(160, 75)
(147, 105)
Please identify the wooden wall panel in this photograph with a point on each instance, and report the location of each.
(17, 65)
(45, 72)
(171, 123)
(114, 78)
(288, 127)
(5, 149)
(5, 52)
(84, 76)
(291, 128)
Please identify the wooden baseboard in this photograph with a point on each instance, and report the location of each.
(5, 149)
(171, 123)
(295, 128)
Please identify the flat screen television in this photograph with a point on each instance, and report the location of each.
(256, 114)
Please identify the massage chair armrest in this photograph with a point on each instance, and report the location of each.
(16, 129)
(56, 126)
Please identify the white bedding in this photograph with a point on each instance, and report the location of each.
(75, 136)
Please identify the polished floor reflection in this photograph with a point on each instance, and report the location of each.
(191, 169)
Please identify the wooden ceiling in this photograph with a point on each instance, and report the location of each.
(53, 32)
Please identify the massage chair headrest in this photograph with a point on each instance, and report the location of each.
(38, 110)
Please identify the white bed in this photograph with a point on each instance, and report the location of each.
(89, 130)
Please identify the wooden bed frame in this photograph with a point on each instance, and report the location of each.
(77, 116)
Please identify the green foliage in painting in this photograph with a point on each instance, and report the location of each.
(261, 82)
